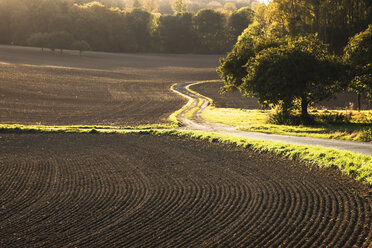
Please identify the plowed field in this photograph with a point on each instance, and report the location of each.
(79, 190)
(97, 88)
(230, 99)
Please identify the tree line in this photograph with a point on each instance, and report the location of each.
(64, 24)
(297, 53)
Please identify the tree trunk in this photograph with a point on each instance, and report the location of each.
(304, 104)
(358, 101)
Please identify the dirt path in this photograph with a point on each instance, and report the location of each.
(83, 190)
(200, 124)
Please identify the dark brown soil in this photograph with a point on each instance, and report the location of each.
(79, 190)
(231, 99)
(234, 99)
(97, 88)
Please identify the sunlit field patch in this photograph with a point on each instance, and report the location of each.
(357, 127)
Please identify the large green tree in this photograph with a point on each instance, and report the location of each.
(240, 20)
(358, 54)
(210, 27)
(232, 68)
(283, 72)
(176, 33)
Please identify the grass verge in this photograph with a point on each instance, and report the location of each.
(359, 128)
(357, 166)
(18, 128)
(173, 117)
(190, 114)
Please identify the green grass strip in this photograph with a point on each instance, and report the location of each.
(357, 166)
(190, 114)
(18, 128)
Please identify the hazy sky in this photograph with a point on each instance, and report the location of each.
(264, 1)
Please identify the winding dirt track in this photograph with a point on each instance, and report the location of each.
(76, 190)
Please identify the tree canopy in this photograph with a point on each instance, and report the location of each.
(358, 54)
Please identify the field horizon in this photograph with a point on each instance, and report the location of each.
(95, 89)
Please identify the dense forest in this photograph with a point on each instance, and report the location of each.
(70, 24)
(176, 26)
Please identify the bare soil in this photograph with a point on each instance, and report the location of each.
(234, 99)
(97, 88)
(230, 99)
(81, 190)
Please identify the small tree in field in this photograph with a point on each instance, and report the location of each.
(81, 46)
(39, 40)
(358, 54)
(61, 40)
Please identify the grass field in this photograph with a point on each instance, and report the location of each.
(96, 89)
(234, 99)
(228, 109)
(359, 128)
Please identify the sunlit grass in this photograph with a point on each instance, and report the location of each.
(357, 166)
(190, 113)
(18, 128)
(358, 128)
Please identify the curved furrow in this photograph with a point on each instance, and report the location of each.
(355, 228)
(49, 201)
(271, 216)
(259, 206)
(223, 216)
(8, 174)
(158, 197)
(139, 192)
(223, 219)
(156, 222)
(312, 204)
(306, 225)
(285, 213)
(171, 224)
(349, 209)
(252, 212)
(334, 212)
(320, 225)
(18, 221)
(30, 190)
(322, 231)
(64, 204)
(204, 216)
(210, 196)
(185, 219)
(234, 222)
(295, 203)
